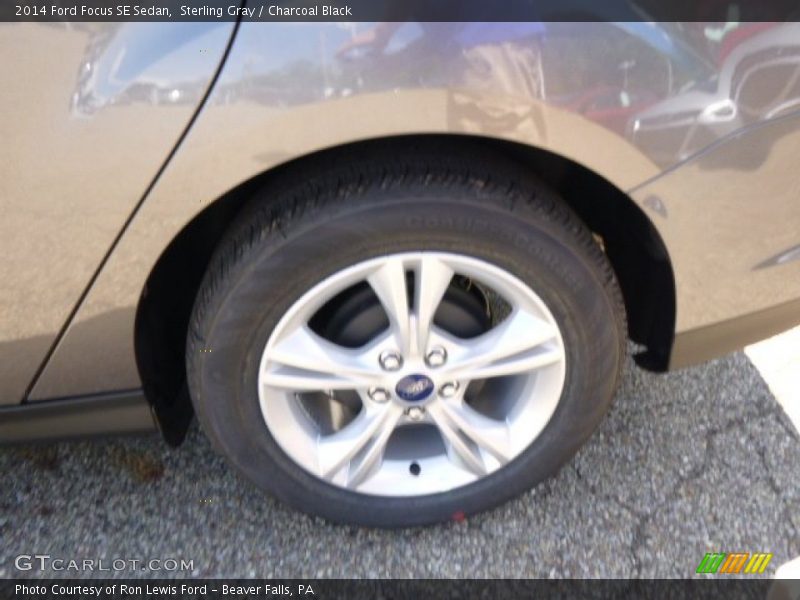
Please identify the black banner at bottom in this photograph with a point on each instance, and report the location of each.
(398, 589)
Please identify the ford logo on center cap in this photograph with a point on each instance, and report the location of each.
(415, 387)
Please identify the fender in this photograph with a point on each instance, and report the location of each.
(287, 91)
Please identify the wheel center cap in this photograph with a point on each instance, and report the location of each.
(414, 388)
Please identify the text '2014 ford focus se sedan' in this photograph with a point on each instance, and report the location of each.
(392, 268)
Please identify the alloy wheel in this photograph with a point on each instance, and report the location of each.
(416, 409)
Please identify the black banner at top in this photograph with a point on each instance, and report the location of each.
(399, 10)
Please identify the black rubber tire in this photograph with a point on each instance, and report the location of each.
(306, 226)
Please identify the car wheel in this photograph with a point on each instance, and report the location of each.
(399, 342)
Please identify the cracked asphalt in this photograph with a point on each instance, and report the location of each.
(691, 462)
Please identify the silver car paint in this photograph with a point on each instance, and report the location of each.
(83, 133)
(707, 158)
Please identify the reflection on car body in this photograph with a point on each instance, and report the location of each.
(279, 225)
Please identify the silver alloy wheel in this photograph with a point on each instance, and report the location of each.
(416, 410)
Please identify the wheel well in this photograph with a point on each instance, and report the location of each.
(632, 244)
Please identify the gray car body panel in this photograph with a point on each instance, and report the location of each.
(625, 101)
(93, 113)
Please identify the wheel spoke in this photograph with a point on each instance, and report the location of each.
(517, 345)
(433, 277)
(304, 361)
(351, 455)
(389, 284)
(473, 440)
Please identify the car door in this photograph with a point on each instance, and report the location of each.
(88, 115)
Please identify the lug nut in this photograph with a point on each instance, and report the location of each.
(379, 395)
(390, 360)
(436, 357)
(415, 413)
(449, 389)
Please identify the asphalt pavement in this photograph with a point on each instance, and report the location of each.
(701, 460)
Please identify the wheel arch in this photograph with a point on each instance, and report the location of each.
(634, 247)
